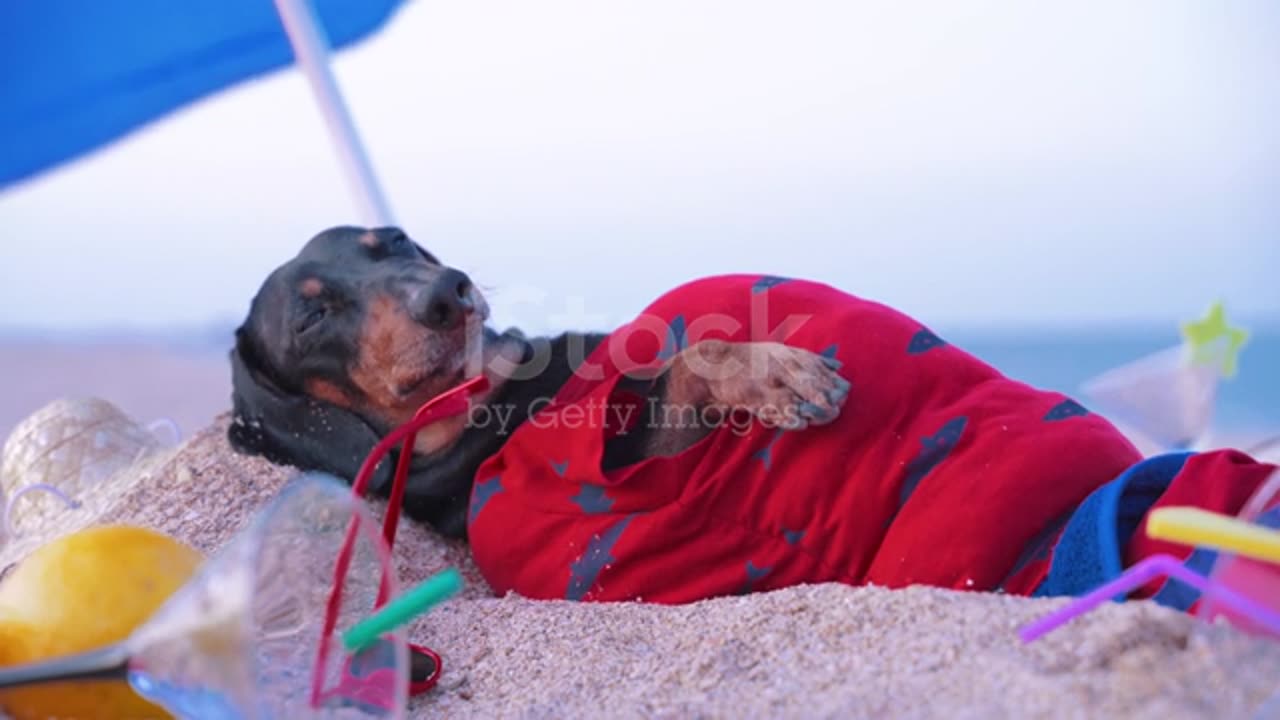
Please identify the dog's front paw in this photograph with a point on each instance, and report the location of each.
(783, 386)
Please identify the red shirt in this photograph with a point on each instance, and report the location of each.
(939, 470)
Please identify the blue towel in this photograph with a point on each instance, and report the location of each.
(1089, 552)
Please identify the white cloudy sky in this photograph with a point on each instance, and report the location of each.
(976, 163)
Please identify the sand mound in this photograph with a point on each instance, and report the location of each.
(811, 652)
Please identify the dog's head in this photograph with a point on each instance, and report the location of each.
(344, 342)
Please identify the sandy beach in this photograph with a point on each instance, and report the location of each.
(805, 652)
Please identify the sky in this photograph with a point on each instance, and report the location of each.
(985, 164)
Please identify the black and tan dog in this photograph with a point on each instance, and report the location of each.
(346, 340)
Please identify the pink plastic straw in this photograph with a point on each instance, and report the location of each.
(1139, 575)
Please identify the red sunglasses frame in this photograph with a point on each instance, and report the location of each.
(447, 404)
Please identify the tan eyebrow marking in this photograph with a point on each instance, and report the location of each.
(312, 287)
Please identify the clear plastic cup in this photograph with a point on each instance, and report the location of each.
(1167, 396)
(240, 640)
(64, 461)
(1256, 579)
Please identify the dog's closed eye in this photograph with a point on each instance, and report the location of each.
(311, 319)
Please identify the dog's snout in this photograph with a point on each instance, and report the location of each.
(446, 302)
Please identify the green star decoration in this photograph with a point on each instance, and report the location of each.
(1212, 338)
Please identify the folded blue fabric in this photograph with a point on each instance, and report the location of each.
(1089, 551)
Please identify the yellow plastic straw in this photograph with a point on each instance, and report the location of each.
(1193, 526)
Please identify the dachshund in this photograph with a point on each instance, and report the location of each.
(346, 340)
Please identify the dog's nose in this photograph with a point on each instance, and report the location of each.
(446, 302)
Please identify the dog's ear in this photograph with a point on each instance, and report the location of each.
(293, 429)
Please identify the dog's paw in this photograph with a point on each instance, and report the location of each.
(783, 386)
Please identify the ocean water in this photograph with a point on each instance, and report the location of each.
(1249, 402)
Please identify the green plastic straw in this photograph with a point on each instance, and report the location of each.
(431, 592)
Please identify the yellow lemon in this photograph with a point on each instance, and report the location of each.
(81, 592)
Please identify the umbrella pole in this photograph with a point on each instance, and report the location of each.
(311, 49)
